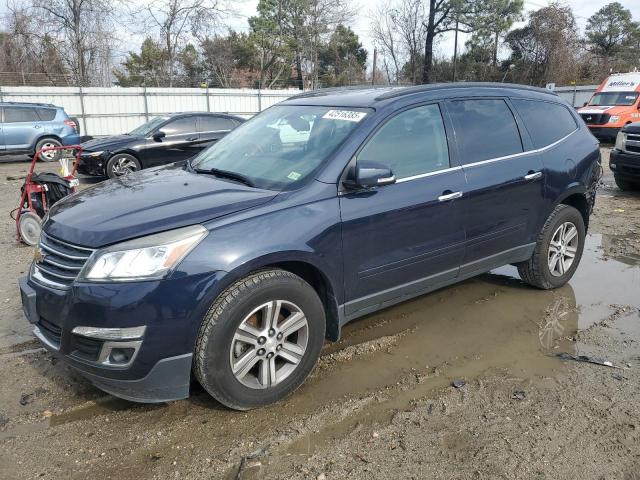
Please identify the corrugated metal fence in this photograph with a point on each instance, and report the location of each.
(115, 110)
(576, 95)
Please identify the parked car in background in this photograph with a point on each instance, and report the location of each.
(615, 103)
(624, 160)
(161, 140)
(236, 265)
(28, 127)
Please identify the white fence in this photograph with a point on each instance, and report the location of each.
(115, 110)
(576, 95)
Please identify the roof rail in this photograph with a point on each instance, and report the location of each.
(329, 90)
(29, 103)
(399, 92)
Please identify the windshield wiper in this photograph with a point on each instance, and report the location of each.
(226, 174)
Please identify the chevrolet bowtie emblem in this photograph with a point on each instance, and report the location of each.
(38, 256)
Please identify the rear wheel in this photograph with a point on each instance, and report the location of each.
(51, 155)
(558, 250)
(259, 340)
(625, 185)
(30, 227)
(122, 164)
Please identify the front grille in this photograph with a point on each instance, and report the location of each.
(632, 143)
(86, 348)
(51, 331)
(59, 262)
(595, 118)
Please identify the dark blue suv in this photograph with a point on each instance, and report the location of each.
(233, 268)
(29, 127)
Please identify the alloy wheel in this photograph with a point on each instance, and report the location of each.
(124, 166)
(563, 248)
(49, 154)
(269, 344)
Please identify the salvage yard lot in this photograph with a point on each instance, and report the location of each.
(380, 403)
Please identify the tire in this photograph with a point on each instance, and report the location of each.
(221, 348)
(537, 271)
(30, 226)
(624, 185)
(48, 156)
(122, 164)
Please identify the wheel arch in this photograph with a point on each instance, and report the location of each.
(307, 269)
(576, 197)
(44, 137)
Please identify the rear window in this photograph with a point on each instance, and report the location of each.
(20, 114)
(546, 122)
(485, 129)
(215, 124)
(46, 114)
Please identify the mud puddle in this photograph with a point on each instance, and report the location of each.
(493, 323)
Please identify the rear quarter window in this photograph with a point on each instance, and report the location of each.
(546, 122)
(46, 114)
(485, 129)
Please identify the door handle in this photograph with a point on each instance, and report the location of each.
(533, 176)
(191, 139)
(449, 196)
(36, 126)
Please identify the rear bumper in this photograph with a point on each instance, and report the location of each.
(72, 139)
(625, 165)
(605, 133)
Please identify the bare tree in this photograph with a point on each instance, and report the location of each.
(176, 21)
(386, 39)
(80, 32)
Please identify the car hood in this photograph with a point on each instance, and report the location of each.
(611, 110)
(147, 202)
(632, 128)
(107, 143)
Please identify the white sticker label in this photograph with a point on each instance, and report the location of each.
(348, 115)
(294, 176)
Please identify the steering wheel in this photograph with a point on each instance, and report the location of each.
(253, 148)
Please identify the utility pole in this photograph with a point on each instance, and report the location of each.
(375, 60)
(455, 51)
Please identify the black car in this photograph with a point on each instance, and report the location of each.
(162, 140)
(624, 160)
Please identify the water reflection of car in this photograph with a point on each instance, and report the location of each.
(162, 140)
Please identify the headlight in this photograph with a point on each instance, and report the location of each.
(147, 258)
(614, 118)
(620, 140)
(92, 154)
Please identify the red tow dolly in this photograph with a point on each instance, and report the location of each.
(41, 190)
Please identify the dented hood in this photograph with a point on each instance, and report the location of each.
(147, 202)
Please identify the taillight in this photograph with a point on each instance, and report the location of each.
(71, 123)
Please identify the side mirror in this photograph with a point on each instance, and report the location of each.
(371, 174)
(159, 135)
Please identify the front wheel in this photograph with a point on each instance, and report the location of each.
(558, 250)
(259, 340)
(122, 164)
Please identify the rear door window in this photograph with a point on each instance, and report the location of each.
(546, 122)
(412, 143)
(485, 129)
(20, 114)
(210, 123)
(180, 126)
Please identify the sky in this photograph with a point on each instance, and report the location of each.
(582, 9)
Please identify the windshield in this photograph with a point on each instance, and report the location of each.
(613, 98)
(282, 145)
(145, 129)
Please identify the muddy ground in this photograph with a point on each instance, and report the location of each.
(380, 404)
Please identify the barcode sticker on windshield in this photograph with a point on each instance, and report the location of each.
(348, 115)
